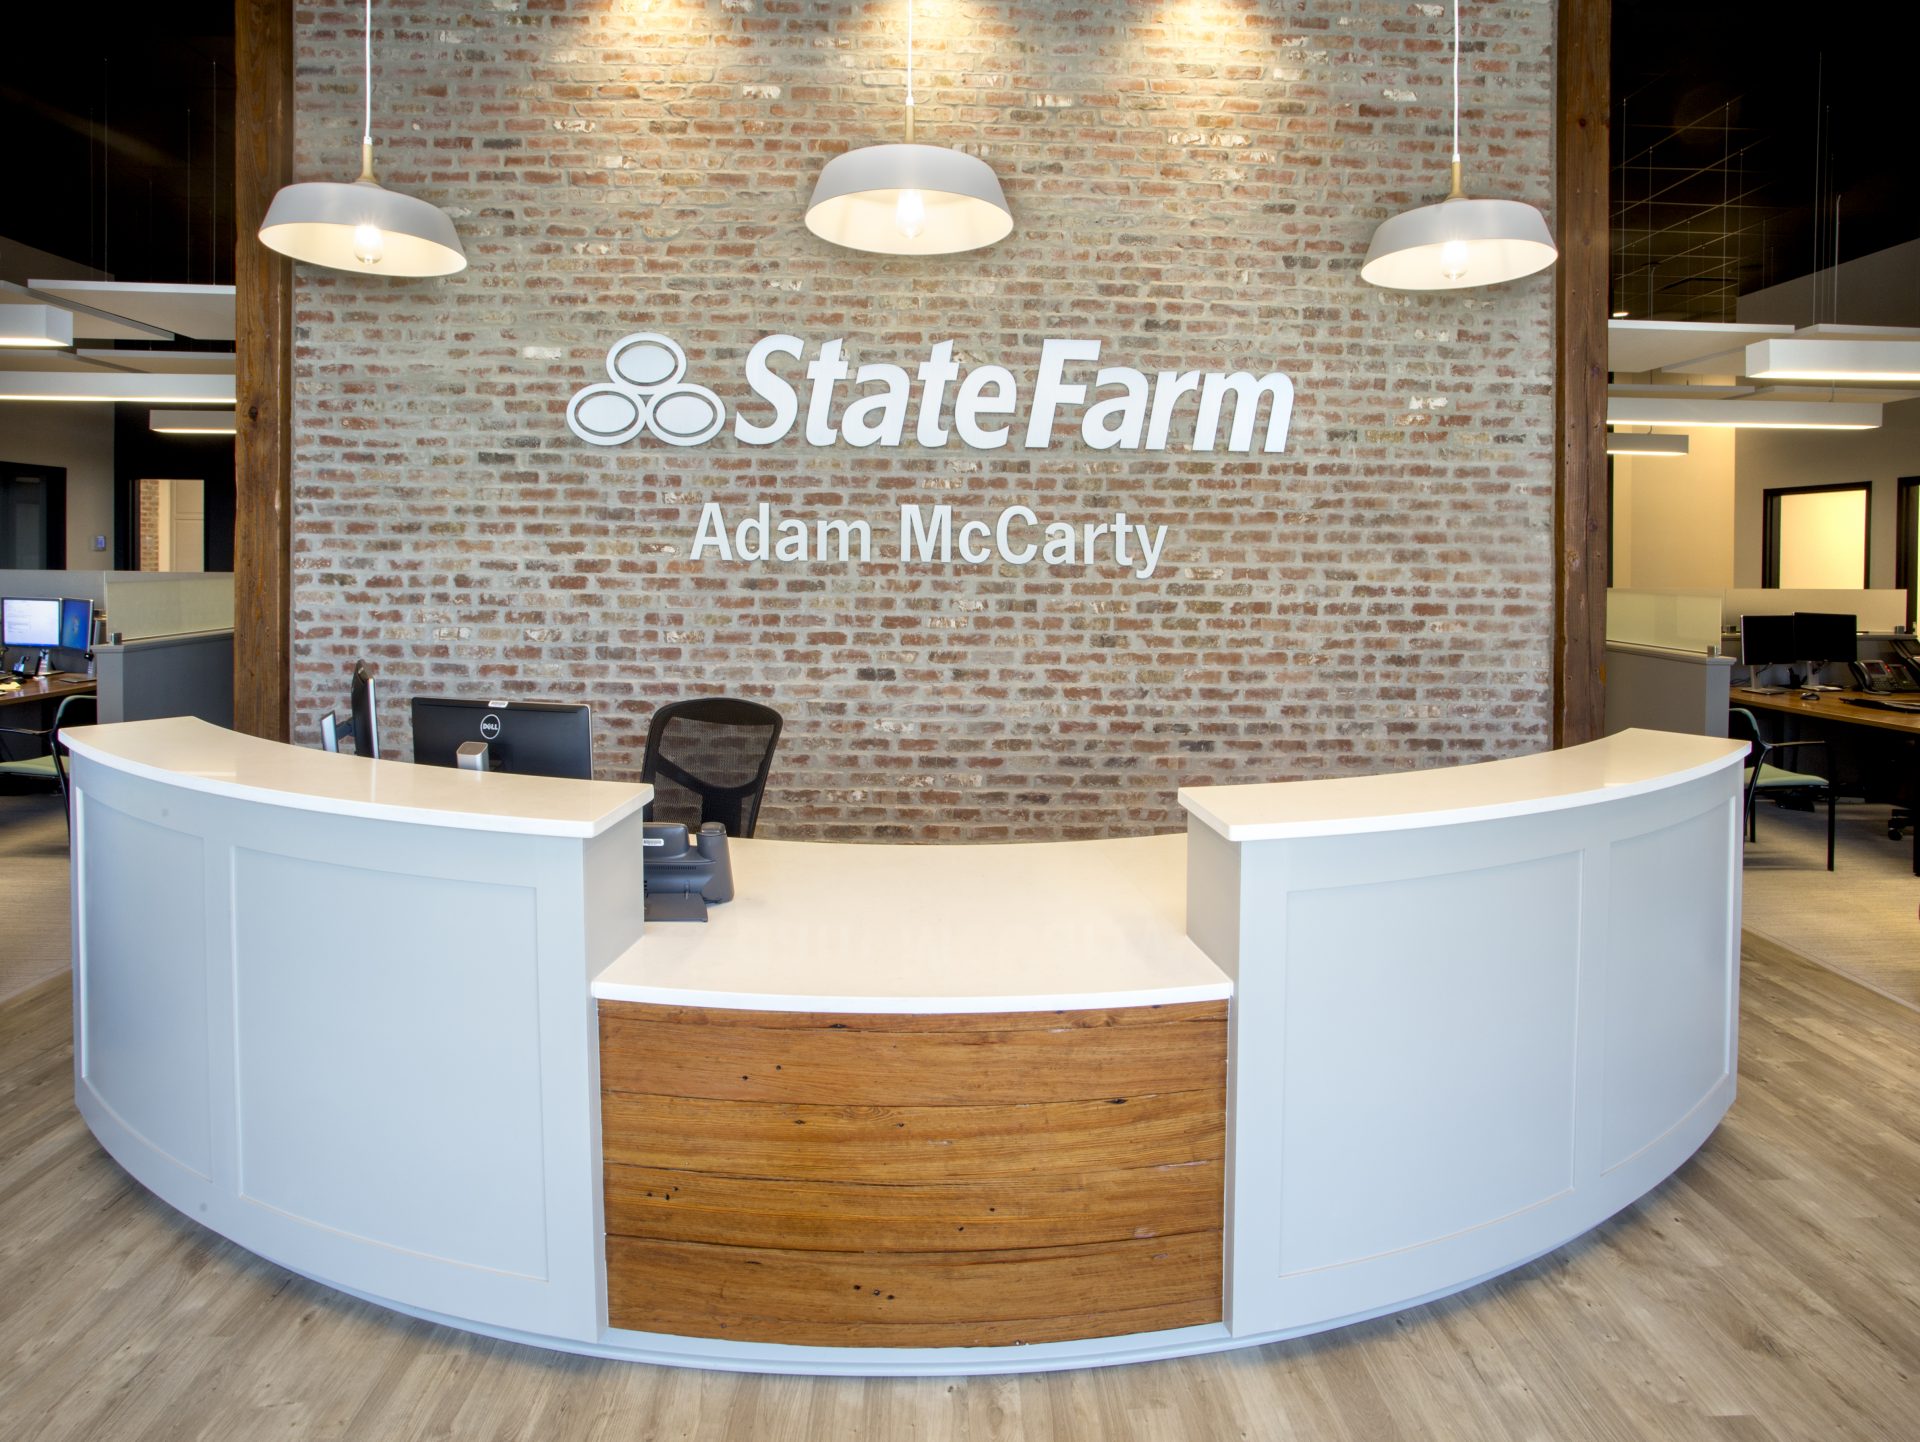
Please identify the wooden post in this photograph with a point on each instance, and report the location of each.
(1583, 105)
(263, 360)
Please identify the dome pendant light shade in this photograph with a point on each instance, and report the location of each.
(362, 226)
(1460, 241)
(909, 200)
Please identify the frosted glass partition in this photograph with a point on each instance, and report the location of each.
(1676, 620)
(169, 603)
(1880, 610)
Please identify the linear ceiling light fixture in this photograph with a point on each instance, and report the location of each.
(1743, 414)
(110, 387)
(1460, 241)
(192, 423)
(909, 199)
(1623, 443)
(362, 226)
(36, 327)
(1834, 360)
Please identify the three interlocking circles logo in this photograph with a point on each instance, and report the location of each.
(645, 393)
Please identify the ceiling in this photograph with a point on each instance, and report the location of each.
(1744, 132)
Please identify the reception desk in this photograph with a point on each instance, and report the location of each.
(1345, 1046)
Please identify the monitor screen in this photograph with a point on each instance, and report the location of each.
(535, 738)
(76, 623)
(30, 621)
(1825, 636)
(366, 716)
(1767, 641)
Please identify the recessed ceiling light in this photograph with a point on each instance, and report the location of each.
(1742, 414)
(116, 386)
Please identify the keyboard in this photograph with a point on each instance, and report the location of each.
(1874, 703)
(1764, 690)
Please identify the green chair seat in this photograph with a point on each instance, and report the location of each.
(1773, 777)
(37, 768)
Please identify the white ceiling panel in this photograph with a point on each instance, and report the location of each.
(204, 312)
(1651, 345)
(164, 362)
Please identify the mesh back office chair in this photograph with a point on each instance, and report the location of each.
(1762, 778)
(72, 711)
(708, 761)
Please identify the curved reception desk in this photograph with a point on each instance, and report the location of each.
(1346, 1046)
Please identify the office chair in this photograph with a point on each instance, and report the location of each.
(1760, 777)
(712, 756)
(72, 711)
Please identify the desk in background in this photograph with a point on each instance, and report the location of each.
(47, 691)
(1851, 729)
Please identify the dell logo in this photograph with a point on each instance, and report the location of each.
(489, 726)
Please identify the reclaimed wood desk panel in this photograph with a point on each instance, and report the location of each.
(913, 1180)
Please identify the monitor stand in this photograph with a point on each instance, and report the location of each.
(1814, 668)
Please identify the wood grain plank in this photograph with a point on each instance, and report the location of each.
(1081, 1019)
(915, 1300)
(1003, 1213)
(831, 1064)
(263, 373)
(911, 1144)
(1580, 295)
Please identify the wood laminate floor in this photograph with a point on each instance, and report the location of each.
(1770, 1290)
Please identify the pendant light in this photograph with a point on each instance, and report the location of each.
(909, 199)
(1459, 242)
(363, 226)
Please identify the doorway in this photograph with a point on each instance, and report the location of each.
(173, 525)
(33, 517)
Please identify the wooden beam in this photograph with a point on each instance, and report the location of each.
(1583, 106)
(263, 359)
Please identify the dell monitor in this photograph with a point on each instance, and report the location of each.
(30, 621)
(534, 738)
(366, 718)
(76, 623)
(1820, 637)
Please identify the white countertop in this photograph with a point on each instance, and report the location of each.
(822, 926)
(1622, 765)
(197, 756)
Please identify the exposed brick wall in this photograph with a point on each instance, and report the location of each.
(1194, 184)
(149, 525)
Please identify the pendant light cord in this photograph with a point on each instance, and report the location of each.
(366, 135)
(366, 130)
(1455, 193)
(909, 70)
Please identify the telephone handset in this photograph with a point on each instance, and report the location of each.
(1880, 678)
(1906, 652)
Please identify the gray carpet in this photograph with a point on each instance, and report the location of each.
(1862, 919)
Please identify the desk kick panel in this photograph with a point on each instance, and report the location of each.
(913, 1181)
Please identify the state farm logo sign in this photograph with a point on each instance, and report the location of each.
(1119, 408)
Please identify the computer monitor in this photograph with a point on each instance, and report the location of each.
(535, 738)
(1766, 641)
(366, 717)
(76, 623)
(30, 621)
(1825, 636)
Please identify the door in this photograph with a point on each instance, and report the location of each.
(33, 517)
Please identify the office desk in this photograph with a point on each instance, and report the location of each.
(41, 690)
(48, 688)
(1346, 1046)
(1830, 712)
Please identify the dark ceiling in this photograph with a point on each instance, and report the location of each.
(1743, 131)
(1745, 134)
(120, 115)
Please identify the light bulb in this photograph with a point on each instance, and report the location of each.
(369, 245)
(910, 213)
(1453, 259)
